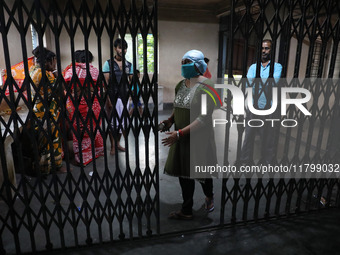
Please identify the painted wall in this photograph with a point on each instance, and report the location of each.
(79, 44)
(176, 38)
(292, 59)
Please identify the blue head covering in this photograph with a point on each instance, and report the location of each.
(197, 57)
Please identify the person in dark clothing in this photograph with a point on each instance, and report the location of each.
(119, 68)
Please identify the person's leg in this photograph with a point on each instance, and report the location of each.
(112, 142)
(140, 108)
(108, 110)
(188, 187)
(207, 187)
(120, 148)
(125, 124)
(98, 140)
(130, 111)
(120, 108)
(247, 150)
(269, 138)
(130, 107)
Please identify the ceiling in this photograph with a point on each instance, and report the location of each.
(206, 11)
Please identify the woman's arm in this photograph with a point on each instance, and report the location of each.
(174, 136)
(168, 123)
(200, 121)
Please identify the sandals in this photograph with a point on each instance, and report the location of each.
(178, 215)
(209, 204)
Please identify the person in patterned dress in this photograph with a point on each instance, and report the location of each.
(46, 110)
(87, 102)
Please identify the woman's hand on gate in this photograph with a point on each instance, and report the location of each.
(167, 125)
(171, 139)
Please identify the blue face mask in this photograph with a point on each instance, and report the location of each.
(189, 71)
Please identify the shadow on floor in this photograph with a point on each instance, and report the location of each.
(314, 233)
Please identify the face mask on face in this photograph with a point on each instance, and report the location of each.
(189, 71)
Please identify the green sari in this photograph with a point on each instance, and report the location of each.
(184, 154)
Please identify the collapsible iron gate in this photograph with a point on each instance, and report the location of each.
(117, 197)
(305, 36)
(113, 197)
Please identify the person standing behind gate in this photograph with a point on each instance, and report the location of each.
(47, 98)
(139, 103)
(119, 87)
(81, 89)
(187, 100)
(267, 133)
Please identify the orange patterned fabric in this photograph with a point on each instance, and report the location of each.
(18, 74)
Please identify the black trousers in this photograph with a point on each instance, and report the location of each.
(267, 135)
(188, 188)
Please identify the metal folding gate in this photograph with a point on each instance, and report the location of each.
(305, 38)
(114, 197)
(117, 197)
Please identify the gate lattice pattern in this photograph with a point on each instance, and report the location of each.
(113, 197)
(121, 197)
(306, 37)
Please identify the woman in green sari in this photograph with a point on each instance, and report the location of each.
(192, 143)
